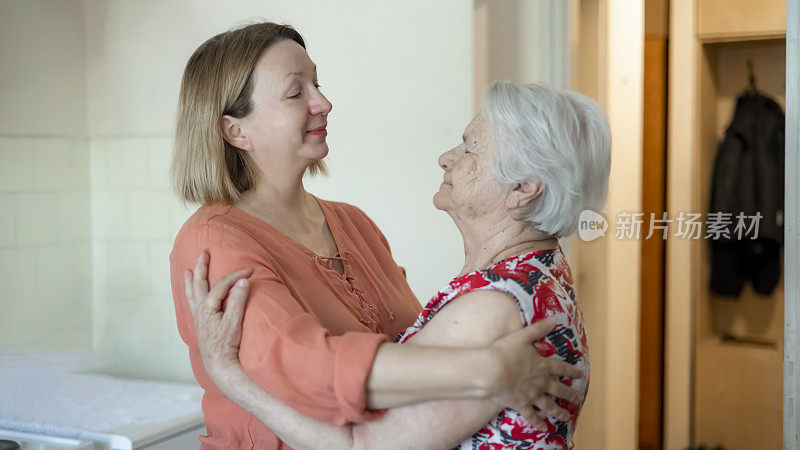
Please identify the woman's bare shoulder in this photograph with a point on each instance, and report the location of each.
(471, 319)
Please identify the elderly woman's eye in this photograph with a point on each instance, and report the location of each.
(296, 95)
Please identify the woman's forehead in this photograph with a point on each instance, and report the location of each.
(285, 60)
(475, 127)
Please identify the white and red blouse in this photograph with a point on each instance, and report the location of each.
(541, 284)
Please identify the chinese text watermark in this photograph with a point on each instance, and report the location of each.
(717, 226)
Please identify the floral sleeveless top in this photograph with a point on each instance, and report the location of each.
(541, 284)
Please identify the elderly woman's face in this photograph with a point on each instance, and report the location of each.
(289, 112)
(469, 189)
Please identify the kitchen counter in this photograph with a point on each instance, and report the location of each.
(114, 412)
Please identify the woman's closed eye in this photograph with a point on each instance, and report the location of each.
(300, 92)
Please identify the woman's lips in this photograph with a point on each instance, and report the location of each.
(321, 131)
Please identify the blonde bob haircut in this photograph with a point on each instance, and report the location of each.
(217, 81)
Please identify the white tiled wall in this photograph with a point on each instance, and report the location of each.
(45, 250)
(135, 218)
(43, 69)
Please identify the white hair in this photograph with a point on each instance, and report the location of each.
(558, 137)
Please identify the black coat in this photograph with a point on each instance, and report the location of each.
(749, 178)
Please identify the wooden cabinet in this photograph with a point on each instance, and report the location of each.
(738, 342)
(732, 369)
(732, 20)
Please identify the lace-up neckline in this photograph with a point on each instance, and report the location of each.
(356, 301)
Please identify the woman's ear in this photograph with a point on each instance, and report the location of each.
(522, 194)
(232, 132)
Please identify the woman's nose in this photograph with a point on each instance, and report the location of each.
(319, 104)
(446, 160)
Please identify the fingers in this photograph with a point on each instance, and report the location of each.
(187, 289)
(219, 291)
(532, 416)
(200, 284)
(234, 310)
(560, 390)
(564, 369)
(547, 405)
(536, 330)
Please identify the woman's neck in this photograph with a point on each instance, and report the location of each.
(279, 201)
(485, 245)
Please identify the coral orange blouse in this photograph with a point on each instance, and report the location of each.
(309, 333)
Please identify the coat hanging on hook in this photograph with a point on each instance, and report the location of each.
(748, 179)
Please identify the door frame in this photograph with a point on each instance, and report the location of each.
(791, 377)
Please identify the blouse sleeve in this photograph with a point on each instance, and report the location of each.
(285, 349)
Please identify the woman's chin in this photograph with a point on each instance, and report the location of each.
(317, 153)
(439, 201)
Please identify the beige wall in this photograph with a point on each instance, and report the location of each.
(45, 262)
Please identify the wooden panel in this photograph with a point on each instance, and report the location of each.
(720, 20)
(653, 201)
(656, 18)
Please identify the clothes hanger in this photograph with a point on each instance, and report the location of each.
(752, 78)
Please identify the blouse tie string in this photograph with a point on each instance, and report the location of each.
(355, 310)
(369, 273)
(363, 310)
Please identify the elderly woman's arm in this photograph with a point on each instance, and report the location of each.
(474, 319)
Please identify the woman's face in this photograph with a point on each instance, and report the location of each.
(286, 127)
(469, 189)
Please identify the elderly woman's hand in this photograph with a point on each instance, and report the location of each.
(219, 332)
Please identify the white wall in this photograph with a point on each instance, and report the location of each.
(44, 177)
(399, 75)
(523, 41)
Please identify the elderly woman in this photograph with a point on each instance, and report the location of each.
(325, 296)
(529, 163)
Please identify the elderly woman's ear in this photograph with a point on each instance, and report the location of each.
(523, 194)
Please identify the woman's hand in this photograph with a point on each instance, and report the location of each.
(526, 378)
(219, 332)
